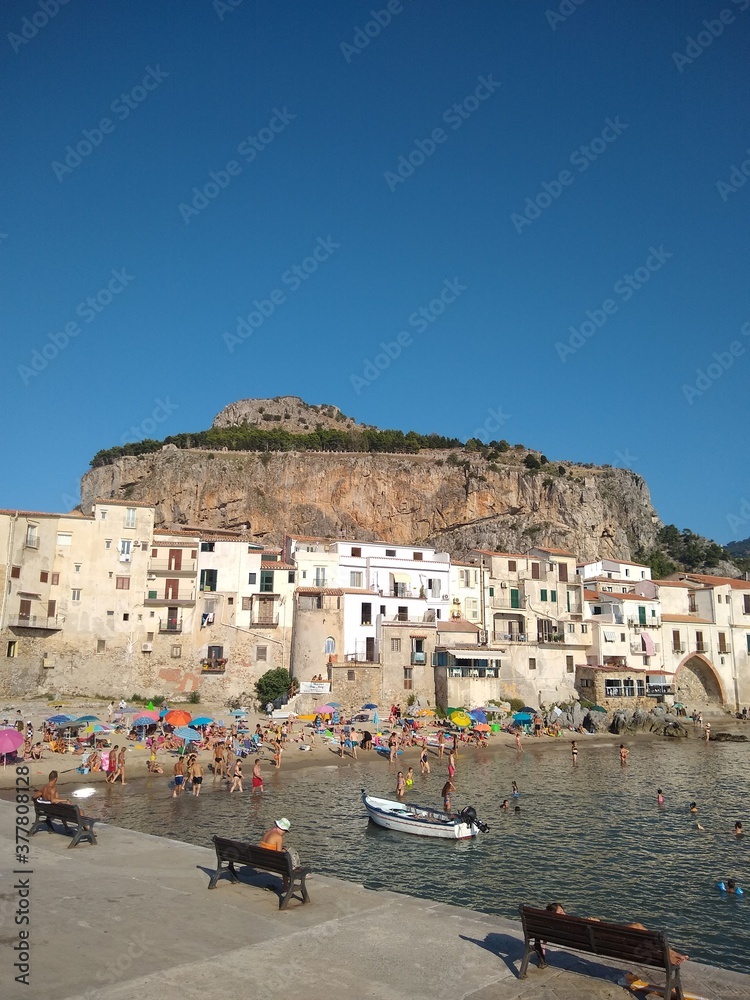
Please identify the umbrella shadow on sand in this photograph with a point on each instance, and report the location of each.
(511, 950)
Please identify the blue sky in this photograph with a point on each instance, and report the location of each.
(555, 171)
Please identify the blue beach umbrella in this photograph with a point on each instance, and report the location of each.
(88, 718)
(57, 720)
(203, 720)
(238, 712)
(369, 706)
(335, 704)
(478, 715)
(188, 734)
(522, 717)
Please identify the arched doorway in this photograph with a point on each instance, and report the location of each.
(696, 683)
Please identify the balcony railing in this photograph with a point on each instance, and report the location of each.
(656, 690)
(154, 599)
(36, 621)
(265, 621)
(409, 616)
(651, 623)
(509, 637)
(503, 602)
(701, 647)
(213, 665)
(170, 626)
(187, 567)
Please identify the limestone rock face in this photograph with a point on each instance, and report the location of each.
(288, 413)
(457, 501)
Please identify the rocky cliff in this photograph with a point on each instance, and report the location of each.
(289, 413)
(455, 500)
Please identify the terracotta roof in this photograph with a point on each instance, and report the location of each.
(457, 625)
(625, 597)
(270, 564)
(177, 531)
(611, 579)
(554, 552)
(112, 502)
(503, 555)
(672, 583)
(718, 581)
(591, 595)
(41, 513)
(686, 618)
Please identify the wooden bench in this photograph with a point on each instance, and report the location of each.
(627, 944)
(70, 815)
(231, 852)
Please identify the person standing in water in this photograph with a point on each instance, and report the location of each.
(514, 787)
(236, 785)
(623, 754)
(574, 751)
(257, 777)
(400, 785)
(448, 787)
(424, 763)
(451, 763)
(660, 796)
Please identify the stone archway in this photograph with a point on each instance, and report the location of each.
(696, 683)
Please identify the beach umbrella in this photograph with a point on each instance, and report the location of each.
(88, 718)
(369, 706)
(307, 718)
(597, 708)
(238, 712)
(10, 741)
(188, 734)
(324, 710)
(482, 727)
(150, 713)
(460, 719)
(522, 717)
(151, 707)
(478, 715)
(56, 720)
(178, 717)
(202, 720)
(528, 708)
(335, 704)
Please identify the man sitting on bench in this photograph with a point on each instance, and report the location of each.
(49, 792)
(273, 840)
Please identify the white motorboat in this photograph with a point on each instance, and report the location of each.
(406, 817)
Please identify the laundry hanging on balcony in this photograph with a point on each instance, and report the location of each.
(648, 644)
(207, 618)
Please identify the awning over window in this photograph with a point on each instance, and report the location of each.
(648, 644)
(401, 578)
(609, 634)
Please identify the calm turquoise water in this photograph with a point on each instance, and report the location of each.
(591, 837)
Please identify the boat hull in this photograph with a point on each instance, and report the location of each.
(410, 818)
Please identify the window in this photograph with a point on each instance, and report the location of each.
(130, 517)
(693, 605)
(747, 640)
(382, 609)
(43, 576)
(320, 576)
(107, 543)
(216, 652)
(350, 675)
(110, 614)
(627, 573)
(356, 552)
(562, 572)
(330, 646)
(622, 637)
(571, 627)
(194, 553)
(569, 666)
(230, 600)
(12, 648)
(542, 595)
(535, 572)
(396, 644)
(172, 590)
(247, 603)
(472, 607)
(208, 579)
(584, 628)
(266, 581)
(390, 552)
(653, 612)
(122, 583)
(261, 653)
(75, 595)
(15, 572)
(553, 596)
(597, 610)
(290, 576)
(718, 598)
(126, 617)
(417, 556)
(251, 578)
(492, 591)
(532, 663)
(64, 538)
(402, 613)
(699, 646)
(408, 678)
(676, 645)
(512, 566)
(32, 536)
(126, 546)
(77, 567)
(628, 687)
(149, 637)
(176, 652)
(355, 579)
(366, 615)
(101, 645)
(723, 642)
(208, 546)
(103, 514)
(746, 603)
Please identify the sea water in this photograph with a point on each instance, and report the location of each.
(590, 836)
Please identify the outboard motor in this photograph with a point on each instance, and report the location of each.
(469, 815)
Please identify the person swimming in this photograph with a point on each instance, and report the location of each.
(731, 887)
(505, 804)
(516, 793)
(738, 829)
(693, 807)
(660, 796)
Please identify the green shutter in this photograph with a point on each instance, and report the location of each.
(543, 595)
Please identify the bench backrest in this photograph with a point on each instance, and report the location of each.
(58, 810)
(629, 944)
(250, 854)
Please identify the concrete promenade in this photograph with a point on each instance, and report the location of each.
(132, 917)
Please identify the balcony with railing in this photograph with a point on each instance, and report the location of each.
(170, 627)
(187, 567)
(411, 617)
(504, 601)
(418, 659)
(32, 542)
(637, 624)
(514, 637)
(157, 598)
(52, 624)
(264, 620)
(213, 664)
